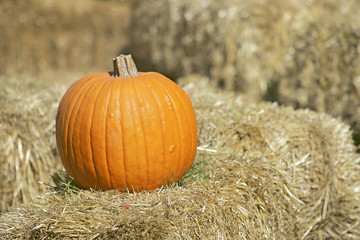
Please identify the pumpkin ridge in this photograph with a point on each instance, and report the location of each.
(84, 93)
(129, 119)
(61, 124)
(189, 113)
(70, 150)
(157, 77)
(91, 133)
(157, 100)
(191, 137)
(84, 100)
(106, 128)
(137, 97)
(122, 132)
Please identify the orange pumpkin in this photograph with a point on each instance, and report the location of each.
(126, 130)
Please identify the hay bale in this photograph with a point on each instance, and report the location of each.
(46, 35)
(28, 152)
(314, 151)
(262, 172)
(303, 53)
(237, 203)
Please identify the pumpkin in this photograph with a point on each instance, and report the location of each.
(126, 129)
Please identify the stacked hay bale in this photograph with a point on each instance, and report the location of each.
(43, 35)
(28, 155)
(262, 172)
(303, 53)
(314, 151)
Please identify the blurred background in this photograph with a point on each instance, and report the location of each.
(52, 38)
(299, 53)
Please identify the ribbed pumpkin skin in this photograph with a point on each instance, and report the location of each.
(133, 133)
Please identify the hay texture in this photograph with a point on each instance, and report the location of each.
(303, 53)
(27, 141)
(261, 172)
(313, 150)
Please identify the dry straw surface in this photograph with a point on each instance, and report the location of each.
(27, 141)
(262, 172)
(303, 53)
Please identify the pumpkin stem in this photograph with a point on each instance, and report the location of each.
(124, 66)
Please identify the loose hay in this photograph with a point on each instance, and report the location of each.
(262, 172)
(27, 141)
(303, 53)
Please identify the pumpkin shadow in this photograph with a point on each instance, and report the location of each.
(63, 183)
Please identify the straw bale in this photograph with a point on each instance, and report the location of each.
(315, 151)
(27, 144)
(303, 53)
(262, 172)
(312, 148)
(237, 203)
